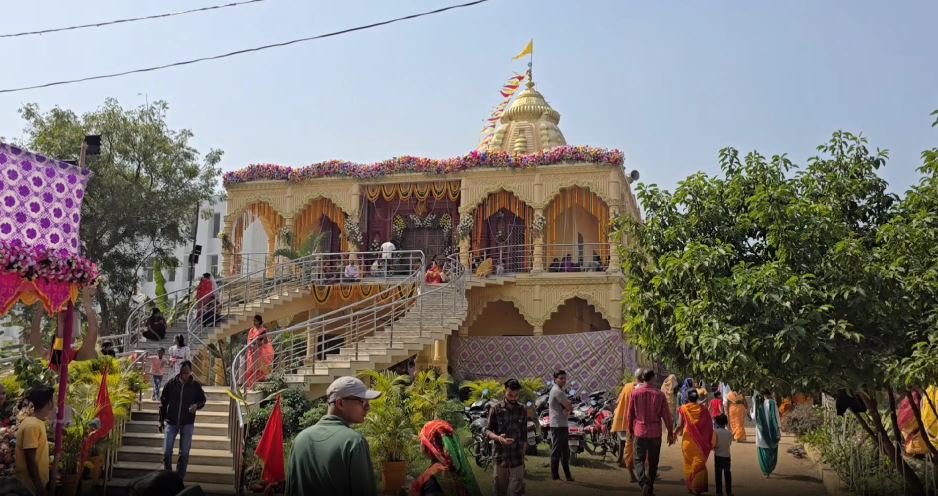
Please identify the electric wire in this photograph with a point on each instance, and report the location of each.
(131, 19)
(243, 51)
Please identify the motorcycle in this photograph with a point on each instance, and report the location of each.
(477, 417)
(598, 434)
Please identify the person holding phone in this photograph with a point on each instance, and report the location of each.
(180, 399)
(508, 426)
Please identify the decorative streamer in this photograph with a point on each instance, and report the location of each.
(508, 89)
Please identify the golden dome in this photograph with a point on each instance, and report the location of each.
(529, 125)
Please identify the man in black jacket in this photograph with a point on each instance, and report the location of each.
(180, 399)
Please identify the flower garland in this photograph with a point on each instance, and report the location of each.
(398, 225)
(465, 227)
(474, 160)
(353, 232)
(36, 262)
(446, 224)
(424, 222)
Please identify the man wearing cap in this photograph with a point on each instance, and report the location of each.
(330, 457)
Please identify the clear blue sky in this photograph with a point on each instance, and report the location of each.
(669, 83)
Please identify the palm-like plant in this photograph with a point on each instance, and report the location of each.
(312, 244)
(427, 396)
(388, 424)
(476, 388)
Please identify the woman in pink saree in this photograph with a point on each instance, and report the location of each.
(260, 353)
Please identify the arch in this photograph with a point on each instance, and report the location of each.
(568, 211)
(506, 202)
(311, 217)
(270, 218)
(575, 315)
(595, 300)
(500, 317)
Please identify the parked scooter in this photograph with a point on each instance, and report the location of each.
(477, 415)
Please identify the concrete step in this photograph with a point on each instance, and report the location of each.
(201, 428)
(149, 405)
(156, 439)
(154, 454)
(194, 473)
(203, 417)
(116, 487)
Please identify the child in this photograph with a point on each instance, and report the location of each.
(716, 405)
(157, 365)
(32, 444)
(722, 439)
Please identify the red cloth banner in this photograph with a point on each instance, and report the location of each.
(270, 447)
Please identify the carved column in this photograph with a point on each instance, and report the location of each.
(464, 252)
(615, 265)
(538, 266)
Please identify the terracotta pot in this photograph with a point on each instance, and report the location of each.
(97, 466)
(394, 473)
(70, 484)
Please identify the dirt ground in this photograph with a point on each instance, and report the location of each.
(595, 477)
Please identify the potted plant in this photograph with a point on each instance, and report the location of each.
(388, 428)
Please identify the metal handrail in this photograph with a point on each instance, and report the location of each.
(137, 319)
(316, 269)
(525, 258)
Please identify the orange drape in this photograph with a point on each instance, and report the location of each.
(439, 190)
(738, 413)
(270, 219)
(309, 221)
(495, 202)
(696, 420)
(570, 197)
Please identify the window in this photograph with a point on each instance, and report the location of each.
(148, 272)
(216, 224)
(171, 274)
(213, 264)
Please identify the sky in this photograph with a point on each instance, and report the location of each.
(668, 83)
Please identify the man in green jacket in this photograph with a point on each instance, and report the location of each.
(330, 457)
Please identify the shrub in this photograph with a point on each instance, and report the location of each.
(801, 420)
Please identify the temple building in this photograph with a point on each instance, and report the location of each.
(526, 214)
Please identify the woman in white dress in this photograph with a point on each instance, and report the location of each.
(178, 353)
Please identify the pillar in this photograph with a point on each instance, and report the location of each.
(538, 326)
(310, 340)
(538, 266)
(615, 264)
(464, 252)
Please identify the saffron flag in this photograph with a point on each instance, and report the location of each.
(270, 447)
(105, 416)
(528, 50)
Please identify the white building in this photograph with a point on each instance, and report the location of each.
(210, 225)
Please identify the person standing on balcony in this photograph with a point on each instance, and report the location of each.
(179, 401)
(260, 353)
(178, 354)
(387, 250)
(331, 457)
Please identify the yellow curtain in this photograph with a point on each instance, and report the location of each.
(577, 196)
(439, 190)
(498, 201)
(310, 221)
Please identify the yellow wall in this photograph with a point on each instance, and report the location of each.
(500, 318)
(575, 315)
(572, 222)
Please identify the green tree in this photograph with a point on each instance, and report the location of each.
(773, 276)
(148, 182)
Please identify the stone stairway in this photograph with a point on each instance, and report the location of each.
(210, 456)
(387, 346)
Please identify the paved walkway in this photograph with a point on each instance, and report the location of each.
(595, 477)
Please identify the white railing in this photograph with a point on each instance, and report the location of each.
(137, 320)
(522, 259)
(232, 298)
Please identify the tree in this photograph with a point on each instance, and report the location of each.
(148, 181)
(774, 276)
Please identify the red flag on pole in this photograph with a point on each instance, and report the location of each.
(270, 447)
(105, 415)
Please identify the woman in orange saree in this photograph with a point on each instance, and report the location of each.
(260, 353)
(696, 427)
(738, 412)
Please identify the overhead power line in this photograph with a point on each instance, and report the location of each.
(131, 19)
(246, 50)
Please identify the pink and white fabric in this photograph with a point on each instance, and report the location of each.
(40, 200)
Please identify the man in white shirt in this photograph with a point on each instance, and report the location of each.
(351, 272)
(387, 248)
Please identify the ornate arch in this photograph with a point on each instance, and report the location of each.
(494, 202)
(577, 196)
(599, 186)
(237, 204)
(596, 301)
(476, 192)
(270, 218)
(479, 307)
(339, 199)
(306, 219)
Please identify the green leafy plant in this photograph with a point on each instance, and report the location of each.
(312, 244)
(388, 426)
(427, 396)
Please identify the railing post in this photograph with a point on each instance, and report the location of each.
(351, 330)
(420, 309)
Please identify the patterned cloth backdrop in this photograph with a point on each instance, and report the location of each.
(40, 200)
(597, 360)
